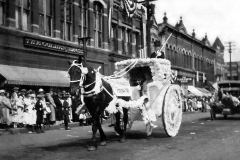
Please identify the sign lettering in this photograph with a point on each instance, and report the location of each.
(50, 46)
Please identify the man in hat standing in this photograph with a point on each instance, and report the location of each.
(59, 108)
(66, 111)
(158, 53)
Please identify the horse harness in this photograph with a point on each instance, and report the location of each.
(98, 82)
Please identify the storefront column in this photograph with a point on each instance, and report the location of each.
(105, 29)
(10, 19)
(35, 16)
(57, 15)
(76, 14)
(91, 23)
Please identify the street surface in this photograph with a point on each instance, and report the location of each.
(199, 139)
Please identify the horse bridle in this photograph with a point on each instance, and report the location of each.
(83, 74)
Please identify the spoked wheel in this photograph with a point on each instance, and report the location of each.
(172, 110)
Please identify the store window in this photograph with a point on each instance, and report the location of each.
(98, 24)
(84, 17)
(22, 14)
(45, 17)
(128, 41)
(2, 12)
(66, 19)
(114, 36)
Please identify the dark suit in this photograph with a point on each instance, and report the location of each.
(40, 111)
(59, 109)
(154, 55)
(66, 113)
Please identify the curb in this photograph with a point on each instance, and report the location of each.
(52, 127)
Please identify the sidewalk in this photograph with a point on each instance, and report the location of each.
(52, 127)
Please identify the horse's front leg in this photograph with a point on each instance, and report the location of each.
(102, 134)
(118, 128)
(93, 146)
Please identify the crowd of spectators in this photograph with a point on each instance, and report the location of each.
(193, 104)
(37, 109)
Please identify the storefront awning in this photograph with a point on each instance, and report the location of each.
(195, 91)
(34, 76)
(205, 92)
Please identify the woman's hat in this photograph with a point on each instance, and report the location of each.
(29, 92)
(15, 88)
(2, 91)
(23, 90)
(40, 95)
(40, 90)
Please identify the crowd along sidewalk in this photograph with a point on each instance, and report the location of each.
(71, 125)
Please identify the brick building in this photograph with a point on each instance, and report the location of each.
(192, 59)
(39, 36)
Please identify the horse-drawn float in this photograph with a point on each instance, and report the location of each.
(157, 98)
(138, 85)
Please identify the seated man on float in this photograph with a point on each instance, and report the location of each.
(158, 53)
(149, 113)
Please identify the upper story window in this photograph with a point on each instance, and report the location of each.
(98, 24)
(22, 14)
(2, 12)
(45, 17)
(66, 19)
(84, 17)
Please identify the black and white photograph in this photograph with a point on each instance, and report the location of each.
(119, 79)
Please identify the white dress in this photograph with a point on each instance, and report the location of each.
(20, 109)
(14, 115)
(29, 114)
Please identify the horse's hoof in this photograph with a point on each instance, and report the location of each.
(103, 143)
(122, 140)
(92, 148)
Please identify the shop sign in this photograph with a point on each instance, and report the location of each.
(50, 46)
(184, 79)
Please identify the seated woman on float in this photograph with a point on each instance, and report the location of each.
(150, 116)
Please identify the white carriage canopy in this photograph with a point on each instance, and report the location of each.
(33, 76)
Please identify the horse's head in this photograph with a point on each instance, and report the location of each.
(80, 75)
(77, 73)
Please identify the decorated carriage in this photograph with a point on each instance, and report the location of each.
(160, 98)
(140, 88)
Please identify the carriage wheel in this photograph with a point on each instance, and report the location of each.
(172, 111)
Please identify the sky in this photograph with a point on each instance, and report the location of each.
(217, 18)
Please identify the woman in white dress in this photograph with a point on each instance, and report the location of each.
(29, 114)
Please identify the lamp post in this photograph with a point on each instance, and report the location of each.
(84, 41)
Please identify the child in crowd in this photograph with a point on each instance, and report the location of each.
(40, 112)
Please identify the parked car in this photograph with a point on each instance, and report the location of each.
(226, 101)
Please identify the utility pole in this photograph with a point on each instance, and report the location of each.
(230, 48)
